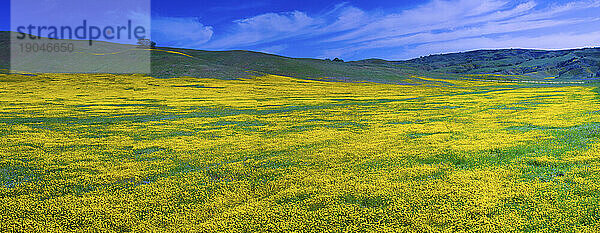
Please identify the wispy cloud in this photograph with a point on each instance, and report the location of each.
(433, 27)
(415, 27)
(180, 32)
(275, 49)
(434, 15)
(271, 27)
(550, 41)
(265, 28)
(344, 17)
(238, 7)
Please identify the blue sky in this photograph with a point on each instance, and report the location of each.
(355, 30)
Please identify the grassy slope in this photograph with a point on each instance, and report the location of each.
(567, 64)
(84, 58)
(233, 64)
(228, 64)
(4, 50)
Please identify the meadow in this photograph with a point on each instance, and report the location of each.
(104, 153)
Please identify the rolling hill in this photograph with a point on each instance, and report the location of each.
(577, 64)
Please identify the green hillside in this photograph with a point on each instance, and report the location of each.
(534, 64)
(236, 64)
(567, 64)
(166, 62)
(4, 50)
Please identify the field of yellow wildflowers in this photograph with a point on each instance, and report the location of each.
(102, 152)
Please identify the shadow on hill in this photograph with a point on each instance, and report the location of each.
(4, 52)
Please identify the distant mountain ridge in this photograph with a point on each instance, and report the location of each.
(579, 64)
(573, 63)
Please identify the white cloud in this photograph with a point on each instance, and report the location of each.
(279, 26)
(482, 30)
(265, 28)
(347, 31)
(548, 42)
(434, 15)
(488, 18)
(180, 32)
(275, 49)
(346, 18)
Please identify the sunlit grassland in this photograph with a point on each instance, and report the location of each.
(136, 153)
